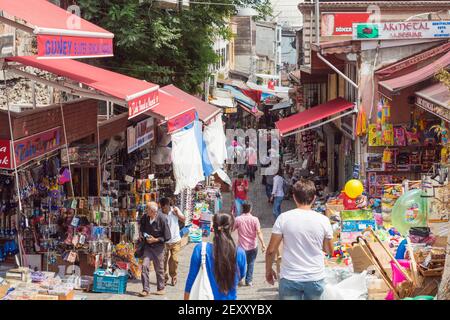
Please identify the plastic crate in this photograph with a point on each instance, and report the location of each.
(109, 283)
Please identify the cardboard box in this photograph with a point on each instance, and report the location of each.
(45, 297)
(68, 296)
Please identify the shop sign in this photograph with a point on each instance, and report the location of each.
(82, 154)
(37, 145)
(340, 23)
(438, 110)
(401, 30)
(56, 46)
(140, 135)
(230, 110)
(181, 121)
(143, 103)
(5, 154)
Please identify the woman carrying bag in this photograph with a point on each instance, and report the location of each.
(216, 268)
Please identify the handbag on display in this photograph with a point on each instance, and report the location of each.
(201, 289)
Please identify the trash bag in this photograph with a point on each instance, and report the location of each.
(353, 288)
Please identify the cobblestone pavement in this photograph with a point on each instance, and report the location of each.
(260, 290)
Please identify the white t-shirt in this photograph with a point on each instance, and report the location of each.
(174, 227)
(303, 234)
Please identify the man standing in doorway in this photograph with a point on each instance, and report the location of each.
(173, 246)
(154, 228)
(240, 191)
(305, 234)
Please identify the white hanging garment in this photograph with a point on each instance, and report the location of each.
(186, 160)
(201, 289)
(215, 139)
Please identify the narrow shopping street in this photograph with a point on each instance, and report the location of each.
(260, 290)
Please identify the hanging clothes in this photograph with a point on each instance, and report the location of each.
(215, 139)
(187, 163)
(206, 162)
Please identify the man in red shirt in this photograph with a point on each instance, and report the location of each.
(240, 190)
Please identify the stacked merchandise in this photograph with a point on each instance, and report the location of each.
(391, 192)
(354, 222)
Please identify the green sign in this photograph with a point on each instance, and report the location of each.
(367, 31)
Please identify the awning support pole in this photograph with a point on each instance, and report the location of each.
(67, 149)
(337, 70)
(354, 110)
(16, 172)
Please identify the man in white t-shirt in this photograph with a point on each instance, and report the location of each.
(173, 246)
(306, 234)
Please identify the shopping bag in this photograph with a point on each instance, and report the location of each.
(140, 246)
(201, 289)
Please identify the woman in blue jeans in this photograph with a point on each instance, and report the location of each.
(277, 193)
(225, 262)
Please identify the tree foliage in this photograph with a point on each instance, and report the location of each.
(165, 46)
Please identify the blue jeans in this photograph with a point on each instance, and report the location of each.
(297, 290)
(277, 206)
(238, 205)
(251, 257)
(269, 190)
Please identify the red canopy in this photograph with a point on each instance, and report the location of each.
(60, 34)
(417, 76)
(205, 110)
(314, 114)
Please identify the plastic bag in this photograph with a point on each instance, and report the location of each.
(353, 288)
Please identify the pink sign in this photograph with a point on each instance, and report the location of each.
(143, 103)
(31, 147)
(5, 154)
(53, 46)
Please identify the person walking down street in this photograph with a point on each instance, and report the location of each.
(225, 262)
(269, 187)
(240, 193)
(306, 234)
(154, 228)
(173, 246)
(251, 158)
(277, 193)
(248, 229)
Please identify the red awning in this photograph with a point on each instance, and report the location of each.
(417, 76)
(256, 114)
(60, 34)
(205, 110)
(320, 112)
(140, 96)
(170, 107)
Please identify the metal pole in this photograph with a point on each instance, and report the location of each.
(67, 149)
(16, 173)
(317, 12)
(337, 70)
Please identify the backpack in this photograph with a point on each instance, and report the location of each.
(201, 289)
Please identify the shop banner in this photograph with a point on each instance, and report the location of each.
(143, 103)
(230, 110)
(181, 121)
(402, 30)
(140, 135)
(437, 110)
(82, 154)
(54, 46)
(37, 145)
(5, 154)
(340, 23)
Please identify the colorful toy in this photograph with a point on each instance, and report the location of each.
(409, 211)
(353, 188)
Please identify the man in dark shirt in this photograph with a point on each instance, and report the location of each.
(154, 228)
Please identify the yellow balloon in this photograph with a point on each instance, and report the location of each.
(353, 188)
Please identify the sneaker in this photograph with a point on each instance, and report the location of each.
(249, 284)
(160, 292)
(241, 283)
